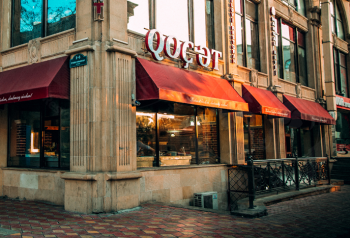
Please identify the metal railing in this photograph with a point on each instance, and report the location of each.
(263, 176)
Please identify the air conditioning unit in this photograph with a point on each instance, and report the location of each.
(206, 200)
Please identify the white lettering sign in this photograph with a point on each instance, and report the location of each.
(340, 102)
(204, 55)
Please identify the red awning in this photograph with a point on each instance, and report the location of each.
(262, 101)
(163, 82)
(306, 110)
(49, 79)
(343, 102)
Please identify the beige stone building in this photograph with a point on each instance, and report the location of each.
(98, 113)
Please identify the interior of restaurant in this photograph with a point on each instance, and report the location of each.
(179, 134)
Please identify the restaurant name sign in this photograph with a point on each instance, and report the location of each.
(340, 102)
(203, 55)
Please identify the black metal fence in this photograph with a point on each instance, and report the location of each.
(264, 176)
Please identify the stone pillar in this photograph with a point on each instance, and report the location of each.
(280, 133)
(327, 44)
(4, 142)
(270, 138)
(103, 175)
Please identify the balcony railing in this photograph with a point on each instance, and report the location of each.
(274, 175)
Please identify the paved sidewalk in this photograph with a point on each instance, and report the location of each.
(326, 215)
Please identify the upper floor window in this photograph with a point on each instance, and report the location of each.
(337, 23)
(340, 73)
(291, 57)
(298, 5)
(39, 18)
(247, 34)
(191, 20)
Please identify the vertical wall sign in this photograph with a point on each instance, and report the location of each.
(98, 10)
(231, 30)
(273, 23)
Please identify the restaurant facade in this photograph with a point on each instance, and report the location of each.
(105, 105)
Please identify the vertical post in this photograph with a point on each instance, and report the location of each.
(283, 174)
(251, 185)
(309, 170)
(296, 164)
(269, 174)
(328, 170)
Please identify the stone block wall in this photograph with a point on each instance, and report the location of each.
(34, 185)
(177, 186)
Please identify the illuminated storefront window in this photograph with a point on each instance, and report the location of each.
(39, 134)
(254, 136)
(170, 134)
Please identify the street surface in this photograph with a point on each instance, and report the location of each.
(326, 215)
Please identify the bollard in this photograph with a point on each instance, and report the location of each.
(328, 170)
(296, 172)
(251, 185)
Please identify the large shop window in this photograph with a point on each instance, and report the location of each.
(170, 134)
(186, 19)
(340, 73)
(39, 134)
(291, 54)
(254, 136)
(342, 133)
(247, 34)
(297, 5)
(337, 22)
(300, 141)
(39, 18)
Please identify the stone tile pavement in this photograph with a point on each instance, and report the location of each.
(325, 215)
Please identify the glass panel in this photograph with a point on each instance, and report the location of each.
(278, 55)
(51, 134)
(301, 6)
(208, 150)
(254, 132)
(146, 139)
(288, 32)
(292, 142)
(251, 10)
(176, 139)
(210, 24)
(307, 150)
(343, 132)
(172, 19)
(301, 39)
(138, 16)
(332, 7)
(26, 21)
(340, 30)
(252, 45)
(60, 15)
(302, 66)
(289, 60)
(344, 82)
(65, 134)
(333, 24)
(200, 30)
(239, 6)
(24, 134)
(337, 13)
(342, 60)
(239, 40)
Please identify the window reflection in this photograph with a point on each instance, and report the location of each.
(60, 15)
(26, 21)
(289, 60)
(172, 19)
(138, 16)
(254, 138)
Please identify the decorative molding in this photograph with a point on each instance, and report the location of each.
(120, 41)
(123, 176)
(298, 90)
(254, 78)
(79, 49)
(81, 40)
(79, 176)
(126, 51)
(34, 52)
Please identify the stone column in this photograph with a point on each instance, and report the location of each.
(4, 142)
(103, 175)
(327, 43)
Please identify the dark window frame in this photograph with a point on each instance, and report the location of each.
(295, 6)
(337, 71)
(191, 29)
(156, 157)
(44, 22)
(249, 136)
(245, 17)
(296, 54)
(335, 19)
(42, 110)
